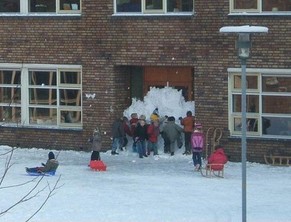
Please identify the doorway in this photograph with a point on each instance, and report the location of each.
(180, 78)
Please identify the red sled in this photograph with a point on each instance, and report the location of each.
(97, 165)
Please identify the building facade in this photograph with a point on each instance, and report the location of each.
(67, 66)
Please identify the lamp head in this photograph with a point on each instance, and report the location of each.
(244, 45)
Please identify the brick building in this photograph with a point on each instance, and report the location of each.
(69, 65)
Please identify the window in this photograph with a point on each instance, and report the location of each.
(40, 6)
(272, 6)
(41, 97)
(268, 104)
(154, 6)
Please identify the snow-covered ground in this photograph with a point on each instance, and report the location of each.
(163, 189)
(144, 190)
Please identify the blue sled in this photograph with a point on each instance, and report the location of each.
(50, 173)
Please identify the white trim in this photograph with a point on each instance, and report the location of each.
(38, 66)
(24, 10)
(262, 71)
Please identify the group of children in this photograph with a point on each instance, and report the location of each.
(145, 139)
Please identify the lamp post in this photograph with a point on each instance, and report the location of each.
(244, 47)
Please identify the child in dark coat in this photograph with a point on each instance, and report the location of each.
(140, 137)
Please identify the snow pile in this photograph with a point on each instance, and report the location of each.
(168, 100)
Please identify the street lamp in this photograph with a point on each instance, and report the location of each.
(244, 47)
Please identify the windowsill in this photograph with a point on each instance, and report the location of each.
(45, 127)
(268, 138)
(137, 14)
(37, 14)
(260, 14)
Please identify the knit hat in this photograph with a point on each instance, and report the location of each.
(142, 117)
(198, 125)
(171, 119)
(51, 155)
(156, 111)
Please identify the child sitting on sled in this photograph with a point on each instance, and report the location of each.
(50, 166)
(217, 159)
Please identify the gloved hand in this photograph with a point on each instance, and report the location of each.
(43, 164)
(180, 118)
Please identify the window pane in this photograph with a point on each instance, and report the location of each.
(252, 103)
(70, 97)
(10, 95)
(43, 116)
(276, 84)
(70, 4)
(179, 5)
(70, 77)
(276, 104)
(252, 124)
(128, 5)
(9, 114)
(153, 4)
(42, 6)
(252, 82)
(274, 6)
(277, 126)
(237, 124)
(42, 96)
(245, 4)
(10, 77)
(42, 78)
(70, 116)
(10, 6)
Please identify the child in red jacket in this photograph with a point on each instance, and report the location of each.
(217, 157)
(153, 132)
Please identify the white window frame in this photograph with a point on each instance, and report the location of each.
(26, 105)
(257, 11)
(24, 10)
(259, 115)
(145, 11)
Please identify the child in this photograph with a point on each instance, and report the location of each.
(172, 133)
(153, 132)
(140, 137)
(96, 141)
(117, 135)
(188, 124)
(197, 142)
(217, 157)
(50, 166)
(133, 122)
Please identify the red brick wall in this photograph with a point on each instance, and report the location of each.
(104, 45)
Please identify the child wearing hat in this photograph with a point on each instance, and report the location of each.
(96, 141)
(51, 165)
(197, 142)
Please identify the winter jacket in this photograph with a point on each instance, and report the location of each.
(153, 133)
(140, 133)
(154, 117)
(51, 165)
(172, 131)
(126, 128)
(188, 123)
(197, 141)
(117, 129)
(96, 141)
(217, 157)
(133, 123)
